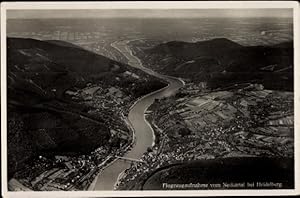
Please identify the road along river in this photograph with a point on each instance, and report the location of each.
(144, 136)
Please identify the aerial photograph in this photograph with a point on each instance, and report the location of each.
(150, 99)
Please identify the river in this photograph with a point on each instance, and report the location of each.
(144, 136)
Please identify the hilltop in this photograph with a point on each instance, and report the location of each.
(222, 62)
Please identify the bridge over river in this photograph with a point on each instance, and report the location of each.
(130, 159)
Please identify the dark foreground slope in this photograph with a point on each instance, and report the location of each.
(41, 118)
(226, 173)
(222, 62)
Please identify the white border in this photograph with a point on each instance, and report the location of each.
(147, 5)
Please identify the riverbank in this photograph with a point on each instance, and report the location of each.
(93, 184)
(133, 131)
(143, 132)
(129, 124)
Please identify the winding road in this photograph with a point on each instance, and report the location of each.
(144, 135)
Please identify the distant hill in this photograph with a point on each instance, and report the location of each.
(221, 62)
(44, 66)
(187, 50)
(41, 119)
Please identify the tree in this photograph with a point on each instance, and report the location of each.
(149, 150)
(115, 142)
(184, 131)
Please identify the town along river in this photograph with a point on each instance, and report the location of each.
(144, 136)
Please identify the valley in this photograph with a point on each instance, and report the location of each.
(101, 105)
(55, 112)
(233, 121)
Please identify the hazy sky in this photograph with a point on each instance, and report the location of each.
(150, 13)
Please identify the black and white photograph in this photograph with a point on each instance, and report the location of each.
(123, 97)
